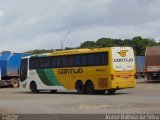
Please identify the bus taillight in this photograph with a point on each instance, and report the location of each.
(112, 77)
(135, 75)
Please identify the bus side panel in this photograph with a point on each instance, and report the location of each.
(69, 76)
(47, 76)
(44, 79)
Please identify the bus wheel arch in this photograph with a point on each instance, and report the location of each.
(33, 87)
(89, 87)
(79, 86)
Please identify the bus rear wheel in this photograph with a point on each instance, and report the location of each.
(89, 87)
(33, 87)
(80, 87)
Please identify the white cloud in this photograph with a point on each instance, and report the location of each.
(28, 24)
(1, 13)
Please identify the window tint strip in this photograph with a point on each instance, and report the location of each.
(78, 60)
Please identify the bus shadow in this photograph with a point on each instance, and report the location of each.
(154, 82)
(74, 93)
(7, 86)
(149, 82)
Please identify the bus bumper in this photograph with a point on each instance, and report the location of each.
(122, 85)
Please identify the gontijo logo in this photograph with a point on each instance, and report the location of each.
(122, 53)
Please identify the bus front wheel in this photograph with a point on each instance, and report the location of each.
(33, 87)
(80, 87)
(90, 87)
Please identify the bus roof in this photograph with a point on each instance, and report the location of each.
(74, 51)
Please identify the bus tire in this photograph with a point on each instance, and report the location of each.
(33, 87)
(80, 87)
(89, 87)
(15, 83)
(111, 92)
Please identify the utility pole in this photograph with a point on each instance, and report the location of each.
(62, 41)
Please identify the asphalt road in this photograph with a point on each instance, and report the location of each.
(145, 98)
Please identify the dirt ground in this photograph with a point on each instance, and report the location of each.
(145, 98)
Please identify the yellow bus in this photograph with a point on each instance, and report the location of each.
(86, 70)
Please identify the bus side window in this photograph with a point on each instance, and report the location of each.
(77, 60)
(59, 61)
(104, 58)
(64, 62)
(90, 59)
(53, 62)
(46, 62)
(42, 62)
(70, 61)
(37, 63)
(97, 59)
(31, 63)
(83, 60)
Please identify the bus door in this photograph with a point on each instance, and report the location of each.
(23, 69)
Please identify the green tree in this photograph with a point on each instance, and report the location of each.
(139, 44)
(40, 51)
(126, 42)
(118, 42)
(105, 42)
(88, 44)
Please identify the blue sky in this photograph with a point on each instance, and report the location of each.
(41, 24)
